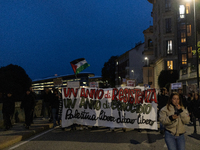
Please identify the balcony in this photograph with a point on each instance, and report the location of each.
(147, 51)
(191, 73)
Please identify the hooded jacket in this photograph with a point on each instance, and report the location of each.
(175, 127)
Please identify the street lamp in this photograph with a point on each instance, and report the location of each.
(133, 73)
(195, 40)
(146, 58)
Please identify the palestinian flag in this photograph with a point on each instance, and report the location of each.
(79, 65)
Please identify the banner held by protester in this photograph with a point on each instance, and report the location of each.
(123, 107)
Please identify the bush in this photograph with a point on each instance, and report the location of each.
(14, 79)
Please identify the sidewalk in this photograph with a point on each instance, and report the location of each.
(18, 132)
(190, 131)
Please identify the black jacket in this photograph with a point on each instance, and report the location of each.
(54, 101)
(195, 108)
(47, 97)
(28, 102)
(8, 105)
(162, 101)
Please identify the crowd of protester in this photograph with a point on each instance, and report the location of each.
(50, 107)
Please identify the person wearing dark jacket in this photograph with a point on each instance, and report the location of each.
(28, 105)
(189, 105)
(162, 101)
(55, 106)
(183, 98)
(195, 109)
(8, 110)
(47, 96)
(34, 95)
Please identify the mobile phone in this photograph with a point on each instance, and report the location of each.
(176, 113)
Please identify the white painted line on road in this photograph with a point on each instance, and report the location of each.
(146, 143)
(31, 139)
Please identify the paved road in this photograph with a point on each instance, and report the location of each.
(102, 138)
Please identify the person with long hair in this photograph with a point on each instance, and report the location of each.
(174, 117)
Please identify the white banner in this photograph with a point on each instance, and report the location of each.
(122, 107)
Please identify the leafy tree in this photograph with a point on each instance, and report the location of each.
(108, 71)
(166, 77)
(14, 79)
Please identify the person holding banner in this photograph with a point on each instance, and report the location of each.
(54, 107)
(174, 117)
(47, 96)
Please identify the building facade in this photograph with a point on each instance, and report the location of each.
(129, 65)
(174, 37)
(60, 81)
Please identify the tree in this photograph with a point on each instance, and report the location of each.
(166, 77)
(14, 79)
(108, 71)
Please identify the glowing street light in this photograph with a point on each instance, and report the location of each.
(146, 58)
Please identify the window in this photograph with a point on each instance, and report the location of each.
(167, 5)
(182, 26)
(168, 25)
(170, 65)
(184, 59)
(182, 11)
(183, 49)
(190, 52)
(169, 46)
(150, 43)
(183, 37)
(187, 8)
(189, 30)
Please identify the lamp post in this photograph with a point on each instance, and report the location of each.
(197, 56)
(132, 73)
(195, 44)
(146, 58)
(197, 53)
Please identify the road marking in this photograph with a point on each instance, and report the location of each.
(31, 139)
(146, 143)
(165, 145)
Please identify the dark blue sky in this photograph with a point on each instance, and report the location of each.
(43, 36)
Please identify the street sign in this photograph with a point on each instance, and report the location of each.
(94, 84)
(73, 84)
(130, 83)
(175, 86)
